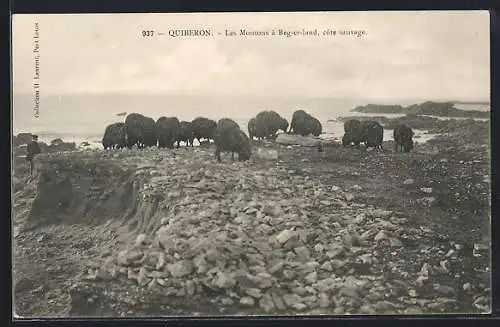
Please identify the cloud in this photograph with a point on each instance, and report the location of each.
(403, 54)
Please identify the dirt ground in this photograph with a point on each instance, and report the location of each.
(441, 191)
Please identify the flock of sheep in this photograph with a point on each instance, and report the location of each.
(141, 131)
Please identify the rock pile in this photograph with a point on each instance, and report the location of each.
(269, 240)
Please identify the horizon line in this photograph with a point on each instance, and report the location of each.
(136, 93)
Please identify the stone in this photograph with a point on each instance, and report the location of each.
(253, 292)
(201, 264)
(292, 139)
(293, 300)
(327, 265)
(379, 213)
(445, 290)
(264, 280)
(278, 301)
(395, 242)
(299, 306)
(350, 291)
(380, 236)
(427, 190)
(181, 268)
(212, 255)
(161, 261)
(276, 267)
(409, 181)
(140, 239)
(266, 303)
(311, 265)
(286, 235)
(349, 197)
(337, 264)
(367, 309)
(324, 300)
(319, 248)
(190, 287)
(288, 274)
(299, 290)
(247, 301)
(224, 280)
(311, 278)
(303, 253)
(338, 311)
(226, 301)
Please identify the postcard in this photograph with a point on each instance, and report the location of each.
(251, 164)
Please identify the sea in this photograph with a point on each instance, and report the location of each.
(83, 117)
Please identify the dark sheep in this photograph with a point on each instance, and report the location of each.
(185, 134)
(115, 136)
(167, 130)
(228, 137)
(275, 123)
(22, 139)
(150, 136)
(262, 125)
(283, 125)
(372, 134)
(316, 128)
(134, 129)
(251, 128)
(352, 132)
(304, 124)
(403, 138)
(268, 123)
(56, 142)
(203, 128)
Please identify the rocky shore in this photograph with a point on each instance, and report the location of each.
(172, 232)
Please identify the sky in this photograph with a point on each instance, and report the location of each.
(427, 55)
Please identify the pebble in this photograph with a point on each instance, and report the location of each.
(444, 289)
(380, 236)
(303, 253)
(247, 301)
(409, 181)
(224, 280)
(291, 300)
(140, 239)
(311, 278)
(253, 292)
(285, 235)
(276, 267)
(226, 301)
(327, 265)
(133, 256)
(349, 197)
(266, 303)
(357, 187)
(181, 268)
(324, 300)
(319, 248)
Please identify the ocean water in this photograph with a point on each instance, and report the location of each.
(83, 118)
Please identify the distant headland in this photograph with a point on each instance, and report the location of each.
(444, 109)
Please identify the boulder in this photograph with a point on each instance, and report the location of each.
(291, 139)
